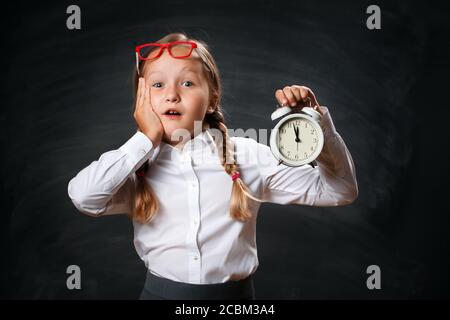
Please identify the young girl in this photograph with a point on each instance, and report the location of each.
(193, 195)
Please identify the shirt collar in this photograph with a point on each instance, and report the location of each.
(196, 144)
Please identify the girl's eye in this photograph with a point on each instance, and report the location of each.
(183, 82)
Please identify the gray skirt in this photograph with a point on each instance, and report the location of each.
(157, 288)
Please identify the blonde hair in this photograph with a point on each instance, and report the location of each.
(145, 203)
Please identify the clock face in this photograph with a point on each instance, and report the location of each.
(298, 139)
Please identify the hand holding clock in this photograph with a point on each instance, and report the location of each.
(297, 96)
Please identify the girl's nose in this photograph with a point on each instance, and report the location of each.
(172, 94)
(172, 98)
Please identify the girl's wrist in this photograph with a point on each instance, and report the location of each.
(153, 139)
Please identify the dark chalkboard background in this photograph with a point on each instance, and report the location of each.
(67, 98)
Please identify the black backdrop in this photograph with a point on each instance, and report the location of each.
(67, 98)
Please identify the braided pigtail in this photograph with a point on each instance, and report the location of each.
(145, 204)
(240, 194)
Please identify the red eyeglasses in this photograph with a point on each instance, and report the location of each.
(152, 51)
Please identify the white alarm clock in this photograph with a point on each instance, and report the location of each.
(297, 139)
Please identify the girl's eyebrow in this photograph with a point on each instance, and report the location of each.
(185, 69)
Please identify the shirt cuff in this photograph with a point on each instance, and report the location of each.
(138, 148)
(327, 125)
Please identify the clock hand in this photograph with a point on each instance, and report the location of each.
(297, 139)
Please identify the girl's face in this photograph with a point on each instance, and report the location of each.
(180, 85)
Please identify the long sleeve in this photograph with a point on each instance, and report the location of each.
(104, 187)
(331, 183)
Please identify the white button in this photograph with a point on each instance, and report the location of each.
(193, 183)
(195, 221)
(196, 258)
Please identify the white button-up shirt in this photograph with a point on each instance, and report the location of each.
(193, 237)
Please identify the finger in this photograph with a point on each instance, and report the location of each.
(312, 96)
(304, 93)
(147, 97)
(143, 92)
(279, 95)
(289, 96)
(147, 94)
(296, 92)
(139, 95)
(304, 96)
(144, 95)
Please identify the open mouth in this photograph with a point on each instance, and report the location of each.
(172, 114)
